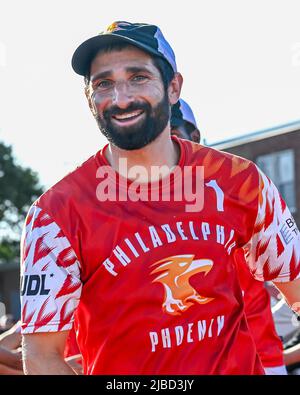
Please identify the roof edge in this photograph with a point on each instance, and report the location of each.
(256, 136)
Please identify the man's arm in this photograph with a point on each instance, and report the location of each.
(10, 358)
(47, 254)
(292, 355)
(273, 251)
(291, 292)
(11, 339)
(43, 353)
(5, 370)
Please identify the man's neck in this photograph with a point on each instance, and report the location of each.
(163, 151)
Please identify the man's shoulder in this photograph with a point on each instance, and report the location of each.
(210, 156)
(238, 176)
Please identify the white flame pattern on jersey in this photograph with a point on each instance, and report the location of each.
(273, 252)
(49, 263)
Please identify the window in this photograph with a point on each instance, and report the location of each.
(279, 167)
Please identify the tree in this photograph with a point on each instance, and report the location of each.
(19, 187)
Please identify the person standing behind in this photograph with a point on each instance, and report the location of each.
(183, 122)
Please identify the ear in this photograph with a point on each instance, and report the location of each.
(174, 88)
(90, 100)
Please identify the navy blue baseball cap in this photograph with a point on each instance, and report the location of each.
(141, 35)
(187, 113)
(181, 111)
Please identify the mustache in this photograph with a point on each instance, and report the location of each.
(115, 110)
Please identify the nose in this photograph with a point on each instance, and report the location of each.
(122, 96)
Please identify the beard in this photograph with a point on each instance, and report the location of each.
(146, 130)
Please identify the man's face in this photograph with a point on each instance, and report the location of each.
(180, 132)
(128, 98)
(186, 131)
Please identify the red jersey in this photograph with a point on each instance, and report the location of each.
(259, 316)
(154, 286)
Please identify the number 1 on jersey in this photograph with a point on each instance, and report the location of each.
(219, 194)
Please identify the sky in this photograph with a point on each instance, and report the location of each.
(240, 60)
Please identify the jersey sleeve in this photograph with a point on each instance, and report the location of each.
(273, 251)
(50, 276)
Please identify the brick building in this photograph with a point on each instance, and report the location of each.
(277, 152)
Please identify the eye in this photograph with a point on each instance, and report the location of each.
(139, 78)
(103, 84)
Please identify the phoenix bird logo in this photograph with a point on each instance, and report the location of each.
(175, 272)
